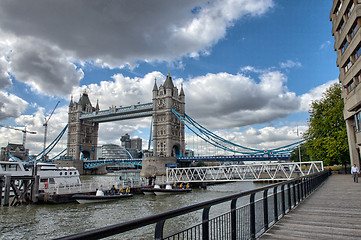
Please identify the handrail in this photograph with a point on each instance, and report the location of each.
(161, 217)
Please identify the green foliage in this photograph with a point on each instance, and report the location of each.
(327, 136)
(304, 156)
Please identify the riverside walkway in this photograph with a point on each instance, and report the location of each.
(333, 211)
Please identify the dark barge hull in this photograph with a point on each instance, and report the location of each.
(57, 198)
(84, 198)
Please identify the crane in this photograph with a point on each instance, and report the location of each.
(18, 129)
(46, 127)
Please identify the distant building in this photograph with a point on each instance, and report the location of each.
(346, 21)
(17, 150)
(134, 143)
(125, 140)
(113, 151)
(189, 153)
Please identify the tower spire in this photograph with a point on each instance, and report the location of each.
(155, 88)
(168, 83)
(181, 91)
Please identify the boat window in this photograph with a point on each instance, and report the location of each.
(61, 173)
(70, 173)
(51, 181)
(66, 173)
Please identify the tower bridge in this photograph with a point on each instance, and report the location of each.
(169, 119)
(168, 132)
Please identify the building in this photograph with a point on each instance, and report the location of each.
(134, 143)
(125, 140)
(346, 21)
(82, 134)
(113, 151)
(168, 132)
(17, 150)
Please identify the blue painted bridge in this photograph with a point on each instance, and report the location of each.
(234, 158)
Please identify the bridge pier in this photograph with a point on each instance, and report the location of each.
(155, 166)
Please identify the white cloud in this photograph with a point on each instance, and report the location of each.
(314, 94)
(325, 44)
(5, 79)
(290, 64)
(45, 68)
(251, 69)
(11, 106)
(224, 100)
(117, 33)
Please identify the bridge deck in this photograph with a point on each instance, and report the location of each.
(331, 212)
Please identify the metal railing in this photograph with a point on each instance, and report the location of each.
(265, 207)
(246, 172)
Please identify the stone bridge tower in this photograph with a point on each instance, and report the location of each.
(168, 131)
(82, 134)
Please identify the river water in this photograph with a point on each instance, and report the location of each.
(51, 221)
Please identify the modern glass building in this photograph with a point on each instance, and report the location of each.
(113, 151)
(346, 21)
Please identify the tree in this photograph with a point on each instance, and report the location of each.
(304, 156)
(327, 137)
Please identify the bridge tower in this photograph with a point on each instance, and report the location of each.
(82, 134)
(168, 131)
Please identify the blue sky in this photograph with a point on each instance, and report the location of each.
(250, 68)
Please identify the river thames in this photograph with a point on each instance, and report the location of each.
(51, 221)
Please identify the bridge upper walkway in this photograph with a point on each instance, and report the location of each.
(331, 212)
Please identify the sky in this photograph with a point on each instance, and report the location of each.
(250, 69)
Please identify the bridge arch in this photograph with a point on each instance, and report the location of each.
(176, 152)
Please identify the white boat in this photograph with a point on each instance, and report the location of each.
(49, 173)
(147, 191)
(169, 190)
(51, 176)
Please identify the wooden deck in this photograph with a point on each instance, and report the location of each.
(332, 212)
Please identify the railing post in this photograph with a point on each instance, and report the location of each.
(275, 205)
(289, 196)
(233, 219)
(265, 209)
(298, 191)
(283, 200)
(158, 233)
(301, 189)
(252, 217)
(1, 188)
(304, 187)
(205, 223)
(311, 184)
(308, 186)
(294, 193)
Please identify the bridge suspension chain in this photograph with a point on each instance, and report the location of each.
(227, 145)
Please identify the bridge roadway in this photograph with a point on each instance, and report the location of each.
(332, 212)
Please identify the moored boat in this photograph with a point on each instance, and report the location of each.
(157, 190)
(56, 184)
(99, 197)
(147, 191)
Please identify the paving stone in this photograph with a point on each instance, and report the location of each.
(333, 211)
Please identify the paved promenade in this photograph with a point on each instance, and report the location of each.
(332, 212)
